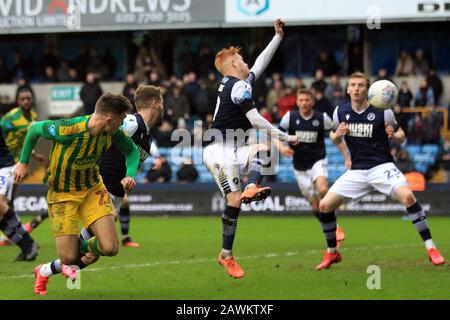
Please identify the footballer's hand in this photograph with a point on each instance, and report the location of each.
(348, 162)
(286, 151)
(128, 183)
(342, 130)
(390, 131)
(279, 24)
(293, 139)
(21, 172)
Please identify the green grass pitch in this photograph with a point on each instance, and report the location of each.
(177, 260)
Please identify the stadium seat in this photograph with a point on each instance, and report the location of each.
(423, 158)
(413, 149)
(432, 149)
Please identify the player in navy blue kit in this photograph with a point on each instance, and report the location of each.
(10, 223)
(309, 156)
(367, 131)
(236, 112)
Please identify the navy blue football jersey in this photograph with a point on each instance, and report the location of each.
(234, 100)
(367, 139)
(311, 133)
(112, 162)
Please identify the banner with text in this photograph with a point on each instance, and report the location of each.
(203, 199)
(30, 16)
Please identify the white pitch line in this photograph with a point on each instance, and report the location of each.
(268, 255)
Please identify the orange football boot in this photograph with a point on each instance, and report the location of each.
(329, 259)
(40, 281)
(231, 266)
(435, 257)
(255, 193)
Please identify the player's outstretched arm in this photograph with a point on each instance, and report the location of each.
(266, 56)
(258, 121)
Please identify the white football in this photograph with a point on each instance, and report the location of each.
(383, 94)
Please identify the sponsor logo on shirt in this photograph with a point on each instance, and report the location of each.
(360, 130)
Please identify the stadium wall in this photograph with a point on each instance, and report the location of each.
(204, 199)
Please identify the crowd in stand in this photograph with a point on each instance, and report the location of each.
(192, 96)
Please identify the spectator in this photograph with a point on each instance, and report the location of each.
(191, 89)
(319, 83)
(204, 100)
(421, 64)
(154, 79)
(266, 114)
(332, 87)
(187, 172)
(338, 98)
(274, 93)
(130, 88)
(417, 131)
(73, 75)
(90, 92)
(160, 171)
(163, 135)
(63, 72)
(299, 84)
(404, 95)
(432, 123)
(327, 63)
(404, 163)
(49, 75)
(213, 82)
(287, 101)
(424, 96)
(177, 106)
(322, 104)
(383, 75)
(405, 65)
(436, 84)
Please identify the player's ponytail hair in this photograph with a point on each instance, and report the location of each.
(144, 96)
(222, 57)
(113, 103)
(360, 75)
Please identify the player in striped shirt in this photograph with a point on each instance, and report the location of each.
(76, 190)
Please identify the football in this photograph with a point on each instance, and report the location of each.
(383, 94)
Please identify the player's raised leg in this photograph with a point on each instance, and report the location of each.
(253, 191)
